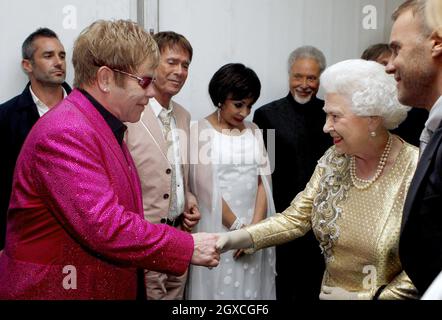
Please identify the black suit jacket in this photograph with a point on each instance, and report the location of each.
(410, 130)
(17, 116)
(299, 144)
(421, 239)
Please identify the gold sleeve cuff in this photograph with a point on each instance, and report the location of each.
(294, 222)
(400, 288)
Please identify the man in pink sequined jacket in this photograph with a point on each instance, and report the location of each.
(75, 222)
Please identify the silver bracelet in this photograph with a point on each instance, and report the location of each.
(236, 225)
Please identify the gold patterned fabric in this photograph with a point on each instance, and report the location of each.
(357, 230)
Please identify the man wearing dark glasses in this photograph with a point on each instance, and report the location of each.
(75, 225)
(159, 145)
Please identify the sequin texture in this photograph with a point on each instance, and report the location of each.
(76, 203)
(362, 247)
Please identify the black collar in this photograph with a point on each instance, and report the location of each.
(117, 127)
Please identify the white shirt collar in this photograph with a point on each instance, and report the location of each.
(435, 116)
(157, 107)
(41, 106)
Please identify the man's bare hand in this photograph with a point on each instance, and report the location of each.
(191, 218)
(191, 215)
(205, 252)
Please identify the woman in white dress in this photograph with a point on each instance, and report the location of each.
(434, 292)
(230, 176)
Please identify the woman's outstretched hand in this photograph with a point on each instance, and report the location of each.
(238, 239)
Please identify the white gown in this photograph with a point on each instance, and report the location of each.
(234, 161)
(434, 292)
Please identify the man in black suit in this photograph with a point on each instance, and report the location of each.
(297, 120)
(44, 63)
(416, 63)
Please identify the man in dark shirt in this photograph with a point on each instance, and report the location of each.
(297, 121)
(44, 63)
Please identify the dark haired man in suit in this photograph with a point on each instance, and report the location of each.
(44, 61)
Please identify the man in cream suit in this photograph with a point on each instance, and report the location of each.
(159, 143)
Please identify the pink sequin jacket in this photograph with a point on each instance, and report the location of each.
(75, 221)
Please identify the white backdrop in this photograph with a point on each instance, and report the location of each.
(262, 33)
(67, 18)
(258, 33)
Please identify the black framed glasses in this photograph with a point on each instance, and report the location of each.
(144, 82)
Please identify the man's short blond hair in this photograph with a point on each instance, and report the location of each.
(417, 8)
(433, 14)
(120, 44)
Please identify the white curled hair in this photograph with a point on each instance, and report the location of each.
(371, 91)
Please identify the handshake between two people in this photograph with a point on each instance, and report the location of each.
(209, 246)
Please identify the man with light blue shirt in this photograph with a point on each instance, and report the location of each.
(44, 61)
(159, 145)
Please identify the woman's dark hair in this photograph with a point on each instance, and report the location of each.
(234, 81)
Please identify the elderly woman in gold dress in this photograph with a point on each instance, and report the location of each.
(354, 199)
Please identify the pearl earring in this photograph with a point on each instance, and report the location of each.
(373, 134)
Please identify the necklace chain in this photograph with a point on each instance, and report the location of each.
(363, 184)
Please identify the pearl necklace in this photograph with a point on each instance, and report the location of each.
(363, 184)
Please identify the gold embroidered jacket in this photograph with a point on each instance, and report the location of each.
(357, 230)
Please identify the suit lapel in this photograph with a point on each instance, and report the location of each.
(421, 173)
(26, 117)
(29, 109)
(27, 105)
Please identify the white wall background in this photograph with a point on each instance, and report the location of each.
(258, 33)
(262, 33)
(19, 18)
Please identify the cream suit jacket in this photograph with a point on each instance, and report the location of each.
(148, 148)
